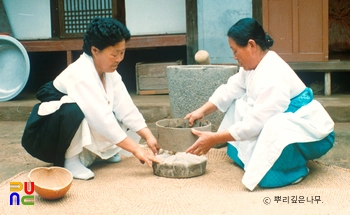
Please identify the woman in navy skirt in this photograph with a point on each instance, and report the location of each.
(86, 113)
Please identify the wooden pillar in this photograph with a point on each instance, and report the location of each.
(327, 84)
(257, 10)
(55, 25)
(191, 30)
(69, 57)
(120, 11)
(5, 26)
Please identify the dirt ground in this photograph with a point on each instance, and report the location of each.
(14, 159)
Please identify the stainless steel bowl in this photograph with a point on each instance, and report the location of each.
(14, 67)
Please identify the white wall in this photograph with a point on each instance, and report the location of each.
(214, 20)
(146, 17)
(29, 19)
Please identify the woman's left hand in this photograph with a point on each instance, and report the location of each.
(203, 144)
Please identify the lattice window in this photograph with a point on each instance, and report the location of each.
(75, 15)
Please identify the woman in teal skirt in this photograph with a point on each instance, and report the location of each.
(272, 123)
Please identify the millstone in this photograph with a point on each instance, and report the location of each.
(180, 165)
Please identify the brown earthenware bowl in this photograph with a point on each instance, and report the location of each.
(51, 182)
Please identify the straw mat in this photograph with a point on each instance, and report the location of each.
(128, 187)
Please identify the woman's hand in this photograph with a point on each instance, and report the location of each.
(153, 144)
(203, 144)
(201, 112)
(146, 134)
(146, 157)
(193, 116)
(206, 140)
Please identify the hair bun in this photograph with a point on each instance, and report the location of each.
(268, 41)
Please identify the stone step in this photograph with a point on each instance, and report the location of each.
(337, 106)
(152, 107)
(157, 107)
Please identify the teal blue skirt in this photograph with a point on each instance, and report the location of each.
(291, 164)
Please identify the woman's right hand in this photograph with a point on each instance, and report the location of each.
(193, 116)
(201, 112)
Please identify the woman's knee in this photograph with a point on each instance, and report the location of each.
(314, 150)
(275, 178)
(290, 158)
(233, 154)
(72, 111)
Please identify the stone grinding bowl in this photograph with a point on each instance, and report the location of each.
(51, 182)
(176, 135)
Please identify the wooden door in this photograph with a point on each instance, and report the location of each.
(299, 28)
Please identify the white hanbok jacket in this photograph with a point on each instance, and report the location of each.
(108, 113)
(254, 103)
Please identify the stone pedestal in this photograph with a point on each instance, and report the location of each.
(190, 86)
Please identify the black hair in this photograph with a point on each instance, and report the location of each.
(248, 28)
(104, 32)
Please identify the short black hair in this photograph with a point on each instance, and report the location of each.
(104, 32)
(248, 28)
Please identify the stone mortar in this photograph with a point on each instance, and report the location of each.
(176, 135)
(190, 86)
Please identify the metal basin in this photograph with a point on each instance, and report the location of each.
(14, 67)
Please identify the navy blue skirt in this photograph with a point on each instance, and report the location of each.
(48, 137)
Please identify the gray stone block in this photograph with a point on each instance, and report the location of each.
(190, 86)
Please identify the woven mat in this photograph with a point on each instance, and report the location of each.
(128, 187)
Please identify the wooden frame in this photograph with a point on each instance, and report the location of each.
(299, 28)
(326, 67)
(150, 41)
(80, 15)
(257, 10)
(151, 78)
(69, 45)
(191, 30)
(118, 13)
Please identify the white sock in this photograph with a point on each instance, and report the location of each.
(301, 178)
(78, 170)
(115, 159)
